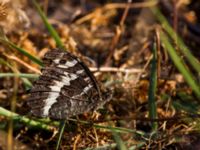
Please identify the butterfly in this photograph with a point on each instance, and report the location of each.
(66, 88)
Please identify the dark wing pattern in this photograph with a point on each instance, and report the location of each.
(66, 87)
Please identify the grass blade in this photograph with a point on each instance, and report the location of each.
(27, 121)
(120, 144)
(24, 52)
(21, 50)
(22, 75)
(42, 124)
(152, 89)
(180, 65)
(184, 49)
(26, 82)
(60, 133)
(49, 27)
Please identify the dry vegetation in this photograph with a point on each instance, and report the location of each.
(155, 104)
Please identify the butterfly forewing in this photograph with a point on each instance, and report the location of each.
(66, 87)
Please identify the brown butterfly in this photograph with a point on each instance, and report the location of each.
(66, 88)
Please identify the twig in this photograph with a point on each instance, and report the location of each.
(118, 33)
(133, 5)
(117, 6)
(114, 69)
(23, 63)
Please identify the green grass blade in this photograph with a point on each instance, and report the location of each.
(26, 82)
(185, 102)
(184, 49)
(187, 106)
(21, 50)
(180, 65)
(24, 52)
(6, 113)
(21, 75)
(120, 144)
(49, 27)
(60, 133)
(27, 121)
(110, 128)
(152, 89)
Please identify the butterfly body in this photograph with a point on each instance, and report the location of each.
(66, 88)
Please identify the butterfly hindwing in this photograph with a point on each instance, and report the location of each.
(65, 88)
